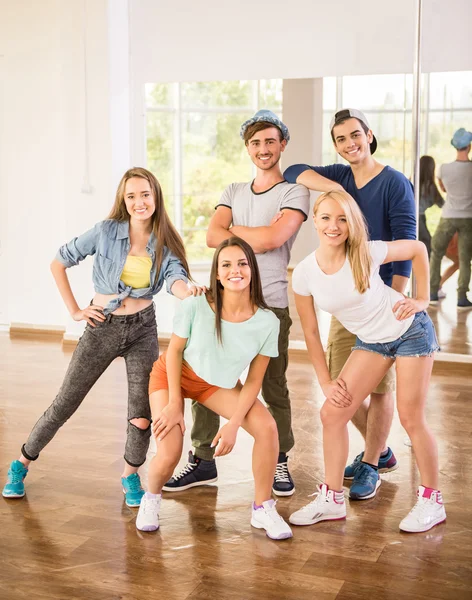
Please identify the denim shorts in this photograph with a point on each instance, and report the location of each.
(418, 340)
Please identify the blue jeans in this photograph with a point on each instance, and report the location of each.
(418, 340)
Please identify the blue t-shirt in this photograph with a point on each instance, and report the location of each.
(387, 202)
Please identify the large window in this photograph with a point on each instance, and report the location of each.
(194, 148)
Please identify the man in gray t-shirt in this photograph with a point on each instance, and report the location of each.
(250, 211)
(456, 180)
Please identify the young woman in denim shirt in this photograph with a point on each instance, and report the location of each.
(136, 249)
(342, 278)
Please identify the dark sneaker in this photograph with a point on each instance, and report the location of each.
(387, 463)
(196, 472)
(283, 483)
(433, 298)
(365, 484)
(464, 303)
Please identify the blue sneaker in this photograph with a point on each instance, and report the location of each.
(387, 464)
(14, 487)
(366, 482)
(132, 489)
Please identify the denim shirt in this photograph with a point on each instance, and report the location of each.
(109, 242)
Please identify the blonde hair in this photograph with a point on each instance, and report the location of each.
(165, 232)
(356, 244)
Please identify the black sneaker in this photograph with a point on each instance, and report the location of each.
(196, 472)
(464, 303)
(283, 483)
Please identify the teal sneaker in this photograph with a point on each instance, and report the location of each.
(132, 489)
(14, 487)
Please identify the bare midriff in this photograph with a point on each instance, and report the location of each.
(128, 307)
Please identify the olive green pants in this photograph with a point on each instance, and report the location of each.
(274, 391)
(446, 229)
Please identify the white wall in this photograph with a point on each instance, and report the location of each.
(43, 155)
(198, 40)
(43, 128)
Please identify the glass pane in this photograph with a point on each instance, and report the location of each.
(451, 90)
(329, 93)
(213, 157)
(270, 94)
(215, 94)
(374, 92)
(159, 94)
(393, 133)
(160, 148)
(442, 126)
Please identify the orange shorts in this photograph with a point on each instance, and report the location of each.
(192, 385)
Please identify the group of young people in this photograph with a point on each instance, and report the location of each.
(242, 321)
(453, 236)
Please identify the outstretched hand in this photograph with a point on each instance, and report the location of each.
(225, 439)
(197, 290)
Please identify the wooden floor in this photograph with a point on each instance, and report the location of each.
(72, 536)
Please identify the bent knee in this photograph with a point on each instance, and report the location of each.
(332, 416)
(140, 423)
(411, 421)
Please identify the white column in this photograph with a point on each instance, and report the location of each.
(303, 115)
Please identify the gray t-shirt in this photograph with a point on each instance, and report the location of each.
(252, 209)
(457, 179)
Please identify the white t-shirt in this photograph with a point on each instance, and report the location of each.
(368, 315)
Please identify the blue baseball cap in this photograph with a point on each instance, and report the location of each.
(266, 116)
(461, 139)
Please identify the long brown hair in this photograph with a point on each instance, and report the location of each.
(166, 234)
(357, 249)
(255, 287)
(428, 188)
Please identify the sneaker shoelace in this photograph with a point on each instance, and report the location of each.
(364, 474)
(318, 500)
(421, 506)
(16, 476)
(273, 514)
(281, 473)
(150, 505)
(134, 483)
(189, 467)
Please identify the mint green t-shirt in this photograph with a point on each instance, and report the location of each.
(222, 364)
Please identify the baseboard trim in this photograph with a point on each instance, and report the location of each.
(28, 329)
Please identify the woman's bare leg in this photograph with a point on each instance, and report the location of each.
(413, 377)
(169, 450)
(362, 373)
(260, 424)
(449, 272)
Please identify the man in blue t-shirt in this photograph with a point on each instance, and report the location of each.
(386, 199)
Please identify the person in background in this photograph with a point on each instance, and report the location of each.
(455, 179)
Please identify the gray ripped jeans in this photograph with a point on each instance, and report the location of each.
(134, 337)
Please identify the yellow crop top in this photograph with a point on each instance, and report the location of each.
(137, 272)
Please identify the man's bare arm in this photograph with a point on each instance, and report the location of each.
(218, 229)
(270, 237)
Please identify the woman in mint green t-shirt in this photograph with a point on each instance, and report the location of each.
(215, 337)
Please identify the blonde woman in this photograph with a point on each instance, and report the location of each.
(342, 278)
(136, 250)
